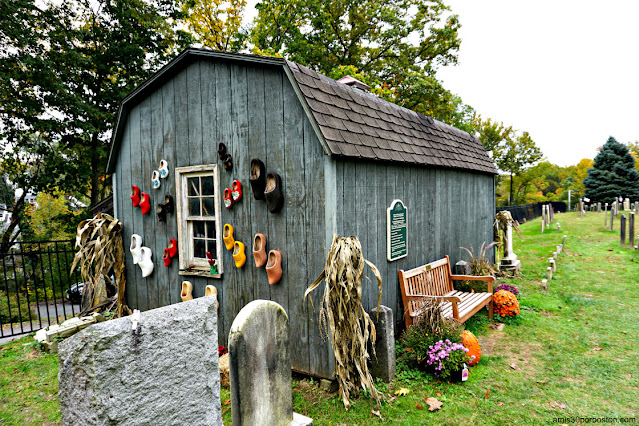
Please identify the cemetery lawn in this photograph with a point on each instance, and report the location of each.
(570, 353)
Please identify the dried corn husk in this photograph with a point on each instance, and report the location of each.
(99, 243)
(343, 315)
(503, 218)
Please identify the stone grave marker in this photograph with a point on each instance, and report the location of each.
(383, 359)
(622, 229)
(553, 265)
(549, 273)
(158, 368)
(631, 228)
(544, 284)
(260, 367)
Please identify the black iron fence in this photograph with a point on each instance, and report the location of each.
(532, 211)
(36, 285)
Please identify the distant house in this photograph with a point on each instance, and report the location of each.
(343, 156)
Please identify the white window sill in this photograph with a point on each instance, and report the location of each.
(200, 273)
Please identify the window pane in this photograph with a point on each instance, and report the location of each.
(194, 206)
(210, 246)
(210, 229)
(208, 206)
(198, 229)
(199, 248)
(194, 186)
(207, 185)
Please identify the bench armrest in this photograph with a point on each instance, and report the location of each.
(488, 278)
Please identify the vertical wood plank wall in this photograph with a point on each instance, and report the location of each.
(447, 209)
(254, 111)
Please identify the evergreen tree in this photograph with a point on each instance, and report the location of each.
(613, 174)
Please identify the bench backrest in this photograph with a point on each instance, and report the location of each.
(432, 279)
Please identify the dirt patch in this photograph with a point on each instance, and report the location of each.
(500, 344)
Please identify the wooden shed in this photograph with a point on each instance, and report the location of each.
(343, 155)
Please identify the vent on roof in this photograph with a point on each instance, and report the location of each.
(353, 82)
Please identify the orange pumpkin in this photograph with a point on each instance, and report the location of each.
(471, 343)
(505, 303)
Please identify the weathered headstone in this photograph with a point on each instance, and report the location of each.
(626, 204)
(260, 367)
(554, 255)
(543, 224)
(383, 359)
(622, 229)
(559, 249)
(599, 207)
(553, 265)
(612, 219)
(631, 228)
(606, 218)
(544, 284)
(549, 273)
(160, 369)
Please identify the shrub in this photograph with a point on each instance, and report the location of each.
(15, 314)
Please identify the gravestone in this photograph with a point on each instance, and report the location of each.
(622, 229)
(552, 264)
(260, 367)
(599, 207)
(631, 228)
(543, 224)
(626, 204)
(549, 273)
(544, 284)
(606, 218)
(509, 261)
(159, 369)
(612, 218)
(383, 359)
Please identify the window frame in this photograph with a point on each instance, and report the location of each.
(185, 226)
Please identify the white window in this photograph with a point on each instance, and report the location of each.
(198, 214)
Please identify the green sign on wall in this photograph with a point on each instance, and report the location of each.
(396, 231)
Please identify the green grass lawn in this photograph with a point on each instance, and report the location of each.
(570, 353)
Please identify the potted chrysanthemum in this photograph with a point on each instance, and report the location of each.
(448, 360)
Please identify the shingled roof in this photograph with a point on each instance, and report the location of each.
(351, 123)
(357, 124)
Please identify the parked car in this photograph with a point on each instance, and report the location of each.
(74, 293)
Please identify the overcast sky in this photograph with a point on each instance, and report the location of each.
(563, 70)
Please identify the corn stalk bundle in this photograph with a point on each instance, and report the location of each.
(100, 248)
(503, 218)
(343, 315)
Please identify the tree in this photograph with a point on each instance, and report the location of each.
(49, 218)
(378, 37)
(633, 147)
(394, 46)
(64, 66)
(216, 24)
(491, 134)
(515, 155)
(613, 174)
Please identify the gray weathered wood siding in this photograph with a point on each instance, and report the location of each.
(447, 209)
(254, 110)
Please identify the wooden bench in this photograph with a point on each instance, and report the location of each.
(435, 280)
